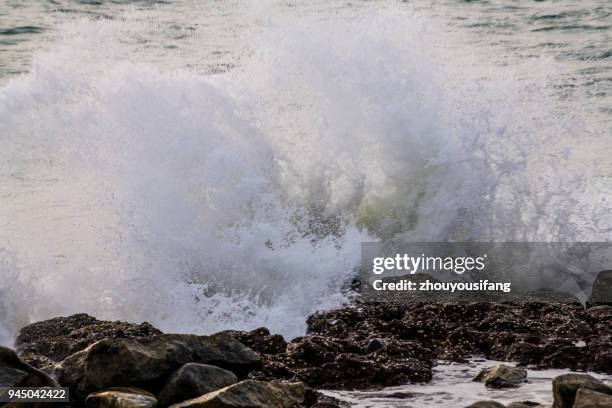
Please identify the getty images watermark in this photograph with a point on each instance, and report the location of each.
(477, 271)
(428, 264)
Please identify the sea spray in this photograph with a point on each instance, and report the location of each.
(10, 283)
(240, 199)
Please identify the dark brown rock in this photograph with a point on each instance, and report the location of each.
(542, 334)
(192, 380)
(366, 346)
(344, 363)
(502, 376)
(586, 398)
(146, 362)
(16, 373)
(602, 289)
(375, 345)
(566, 386)
(599, 352)
(250, 394)
(315, 399)
(352, 371)
(600, 312)
(486, 404)
(121, 397)
(260, 340)
(50, 341)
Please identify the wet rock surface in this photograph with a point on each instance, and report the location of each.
(565, 388)
(14, 372)
(377, 345)
(332, 362)
(502, 376)
(366, 346)
(602, 289)
(569, 391)
(126, 397)
(586, 398)
(542, 335)
(260, 340)
(250, 394)
(50, 341)
(315, 399)
(193, 380)
(486, 404)
(147, 362)
(524, 404)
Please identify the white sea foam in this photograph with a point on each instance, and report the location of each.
(452, 386)
(203, 202)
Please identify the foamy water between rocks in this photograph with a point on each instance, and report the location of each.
(452, 386)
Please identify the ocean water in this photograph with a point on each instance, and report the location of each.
(452, 386)
(205, 165)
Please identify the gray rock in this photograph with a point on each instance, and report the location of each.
(586, 398)
(315, 399)
(15, 373)
(121, 397)
(145, 362)
(10, 377)
(193, 380)
(565, 388)
(597, 311)
(502, 376)
(486, 404)
(250, 394)
(602, 289)
(375, 345)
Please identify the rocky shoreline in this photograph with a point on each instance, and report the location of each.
(364, 346)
